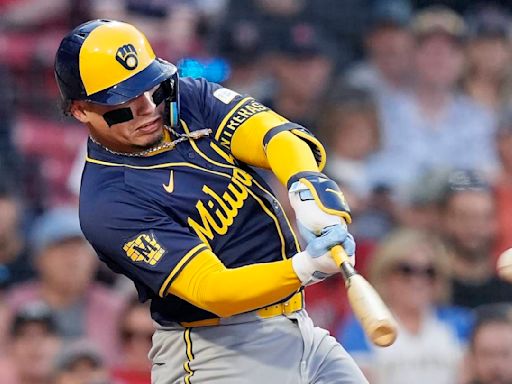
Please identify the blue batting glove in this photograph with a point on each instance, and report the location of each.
(331, 236)
(315, 263)
(305, 233)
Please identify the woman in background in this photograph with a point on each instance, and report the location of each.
(409, 269)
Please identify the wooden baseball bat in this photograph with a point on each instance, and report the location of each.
(374, 316)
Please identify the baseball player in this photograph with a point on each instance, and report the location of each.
(168, 199)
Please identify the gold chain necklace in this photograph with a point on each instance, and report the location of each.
(169, 145)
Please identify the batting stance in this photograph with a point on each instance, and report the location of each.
(169, 200)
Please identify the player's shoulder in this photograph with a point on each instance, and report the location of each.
(206, 91)
(104, 189)
(192, 89)
(100, 181)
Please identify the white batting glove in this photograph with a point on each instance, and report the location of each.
(317, 201)
(315, 263)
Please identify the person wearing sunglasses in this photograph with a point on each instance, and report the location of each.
(410, 271)
(135, 336)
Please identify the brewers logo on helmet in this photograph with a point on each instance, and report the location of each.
(109, 62)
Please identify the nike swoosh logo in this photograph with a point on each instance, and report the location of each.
(169, 188)
(337, 193)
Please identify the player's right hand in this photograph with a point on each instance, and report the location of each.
(315, 263)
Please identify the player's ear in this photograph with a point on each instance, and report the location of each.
(77, 110)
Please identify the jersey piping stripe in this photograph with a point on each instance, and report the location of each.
(262, 204)
(196, 148)
(227, 117)
(166, 165)
(190, 356)
(221, 153)
(154, 166)
(276, 220)
(179, 267)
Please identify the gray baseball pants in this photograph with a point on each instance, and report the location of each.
(244, 349)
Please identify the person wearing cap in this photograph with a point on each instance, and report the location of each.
(387, 69)
(80, 362)
(168, 198)
(467, 224)
(302, 62)
(488, 76)
(241, 44)
(33, 342)
(435, 126)
(66, 265)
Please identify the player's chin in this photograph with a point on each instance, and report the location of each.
(149, 136)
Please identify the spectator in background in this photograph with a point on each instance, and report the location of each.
(468, 226)
(410, 271)
(33, 15)
(65, 265)
(461, 6)
(387, 70)
(173, 26)
(9, 156)
(302, 66)
(349, 123)
(241, 42)
(33, 343)
(14, 263)
(136, 331)
(437, 126)
(503, 181)
(490, 357)
(80, 363)
(342, 21)
(488, 79)
(421, 210)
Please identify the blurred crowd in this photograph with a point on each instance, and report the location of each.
(413, 100)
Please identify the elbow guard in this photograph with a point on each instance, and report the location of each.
(317, 148)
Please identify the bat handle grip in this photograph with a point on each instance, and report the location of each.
(339, 255)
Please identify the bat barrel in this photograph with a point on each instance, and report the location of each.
(383, 333)
(374, 316)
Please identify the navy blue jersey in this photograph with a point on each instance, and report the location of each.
(147, 217)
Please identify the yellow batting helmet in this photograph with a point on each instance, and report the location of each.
(110, 62)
